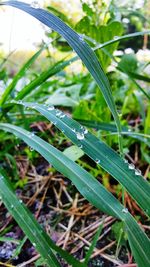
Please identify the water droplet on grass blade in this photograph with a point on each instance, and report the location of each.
(131, 166)
(58, 113)
(97, 161)
(138, 172)
(31, 149)
(80, 136)
(125, 210)
(35, 4)
(50, 108)
(62, 116)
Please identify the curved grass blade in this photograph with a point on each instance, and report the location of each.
(26, 221)
(43, 77)
(43, 244)
(82, 49)
(113, 129)
(18, 76)
(102, 154)
(120, 38)
(89, 187)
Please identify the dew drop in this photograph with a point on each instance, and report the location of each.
(62, 116)
(32, 134)
(97, 161)
(12, 206)
(80, 136)
(55, 123)
(138, 172)
(20, 201)
(34, 244)
(74, 130)
(85, 130)
(131, 166)
(50, 108)
(80, 146)
(125, 161)
(35, 4)
(58, 113)
(20, 102)
(125, 210)
(116, 37)
(31, 149)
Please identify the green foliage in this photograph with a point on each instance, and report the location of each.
(80, 95)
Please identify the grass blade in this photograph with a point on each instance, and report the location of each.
(18, 76)
(93, 244)
(120, 38)
(145, 138)
(30, 226)
(102, 154)
(89, 187)
(82, 49)
(26, 221)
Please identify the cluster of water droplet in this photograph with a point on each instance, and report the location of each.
(81, 133)
(131, 166)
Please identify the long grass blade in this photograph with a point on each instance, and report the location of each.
(102, 154)
(18, 76)
(26, 221)
(89, 187)
(42, 242)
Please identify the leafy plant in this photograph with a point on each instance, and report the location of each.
(112, 162)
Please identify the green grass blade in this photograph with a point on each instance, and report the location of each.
(88, 186)
(26, 221)
(30, 226)
(93, 244)
(82, 49)
(120, 38)
(145, 138)
(102, 154)
(42, 78)
(18, 76)
(132, 228)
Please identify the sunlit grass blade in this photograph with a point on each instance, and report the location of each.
(18, 76)
(120, 38)
(42, 242)
(88, 186)
(102, 154)
(82, 49)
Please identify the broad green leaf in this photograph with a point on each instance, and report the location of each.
(89, 187)
(102, 154)
(82, 49)
(18, 76)
(42, 242)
